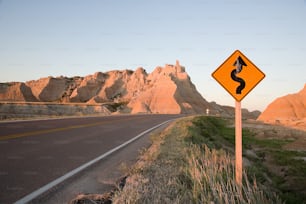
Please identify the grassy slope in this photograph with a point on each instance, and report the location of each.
(265, 155)
(192, 162)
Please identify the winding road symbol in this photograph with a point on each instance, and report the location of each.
(239, 63)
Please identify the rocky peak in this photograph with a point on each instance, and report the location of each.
(140, 71)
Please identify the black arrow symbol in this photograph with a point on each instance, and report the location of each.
(239, 63)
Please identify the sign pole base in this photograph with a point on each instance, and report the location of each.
(238, 143)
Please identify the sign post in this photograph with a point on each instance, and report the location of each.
(238, 143)
(238, 76)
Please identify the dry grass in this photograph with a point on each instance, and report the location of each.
(176, 171)
(212, 175)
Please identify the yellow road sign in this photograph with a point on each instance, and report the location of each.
(238, 75)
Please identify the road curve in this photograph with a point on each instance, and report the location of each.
(34, 153)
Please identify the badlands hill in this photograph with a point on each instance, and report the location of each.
(166, 90)
(289, 110)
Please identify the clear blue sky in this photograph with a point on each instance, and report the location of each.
(77, 37)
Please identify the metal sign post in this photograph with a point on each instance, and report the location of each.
(238, 76)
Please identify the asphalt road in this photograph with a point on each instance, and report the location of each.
(34, 153)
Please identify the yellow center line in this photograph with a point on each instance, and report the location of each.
(39, 132)
(13, 136)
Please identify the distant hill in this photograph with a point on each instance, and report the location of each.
(289, 110)
(167, 90)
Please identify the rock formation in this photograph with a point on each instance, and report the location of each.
(16, 91)
(170, 90)
(287, 110)
(166, 90)
(47, 89)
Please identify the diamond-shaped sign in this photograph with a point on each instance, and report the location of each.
(238, 75)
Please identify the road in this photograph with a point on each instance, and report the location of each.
(34, 153)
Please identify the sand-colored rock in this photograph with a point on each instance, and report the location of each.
(170, 91)
(167, 90)
(158, 97)
(114, 87)
(16, 91)
(89, 87)
(288, 110)
(48, 89)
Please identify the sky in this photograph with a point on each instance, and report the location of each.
(80, 37)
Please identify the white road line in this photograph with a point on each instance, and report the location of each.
(57, 181)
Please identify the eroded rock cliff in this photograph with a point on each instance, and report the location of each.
(167, 90)
(288, 110)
